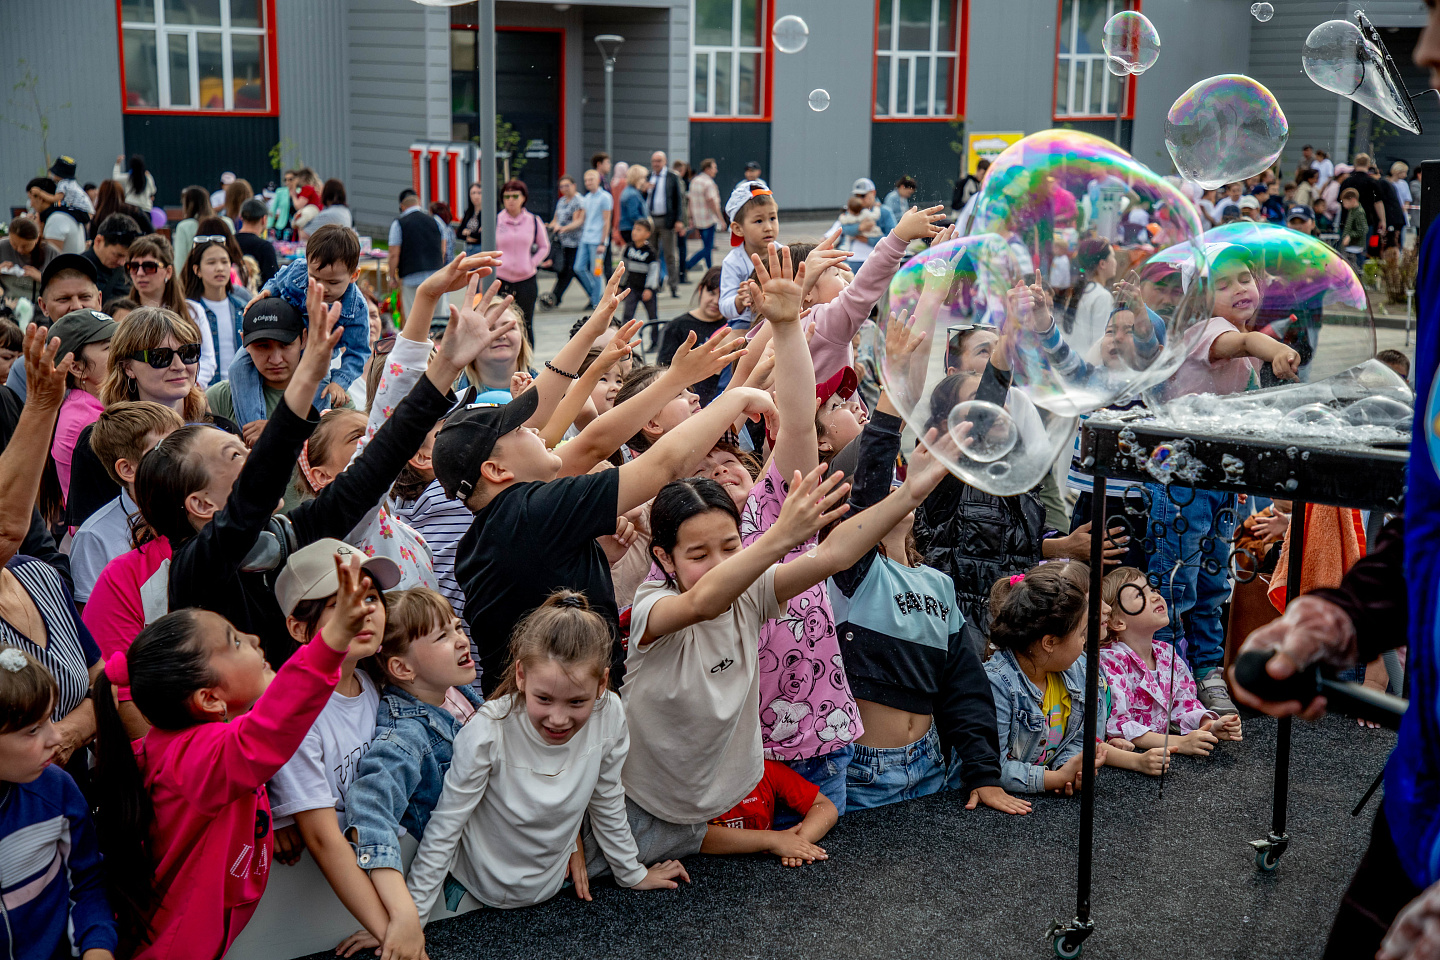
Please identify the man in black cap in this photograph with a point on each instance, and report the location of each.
(112, 243)
(66, 285)
(273, 333)
(1301, 218)
(534, 531)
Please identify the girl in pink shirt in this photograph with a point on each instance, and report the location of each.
(185, 819)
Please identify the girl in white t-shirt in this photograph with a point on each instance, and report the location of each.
(542, 753)
(307, 795)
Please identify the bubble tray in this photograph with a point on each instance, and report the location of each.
(1147, 448)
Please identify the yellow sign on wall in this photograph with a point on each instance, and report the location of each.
(987, 146)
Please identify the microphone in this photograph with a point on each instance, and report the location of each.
(1352, 699)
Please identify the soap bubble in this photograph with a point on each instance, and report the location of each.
(1307, 297)
(1339, 58)
(1314, 415)
(960, 307)
(1225, 129)
(1131, 43)
(982, 431)
(819, 100)
(790, 34)
(1262, 11)
(1380, 411)
(1062, 203)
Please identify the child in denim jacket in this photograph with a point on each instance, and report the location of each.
(332, 259)
(428, 673)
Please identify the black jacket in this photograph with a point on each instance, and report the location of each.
(673, 201)
(38, 542)
(205, 570)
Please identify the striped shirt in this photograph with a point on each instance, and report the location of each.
(1081, 480)
(69, 648)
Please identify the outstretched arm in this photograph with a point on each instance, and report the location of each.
(23, 461)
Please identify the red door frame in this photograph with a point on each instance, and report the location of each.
(272, 74)
(962, 61)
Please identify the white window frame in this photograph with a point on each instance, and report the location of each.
(899, 59)
(163, 33)
(732, 52)
(1090, 66)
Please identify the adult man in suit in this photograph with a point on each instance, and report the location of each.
(664, 202)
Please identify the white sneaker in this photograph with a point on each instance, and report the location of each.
(1214, 694)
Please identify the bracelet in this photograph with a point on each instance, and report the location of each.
(554, 369)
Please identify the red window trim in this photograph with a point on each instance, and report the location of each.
(767, 74)
(272, 75)
(1129, 111)
(962, 62)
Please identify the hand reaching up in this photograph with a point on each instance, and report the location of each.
(815, 500)
(620, 346)
(917, 224)
(320, 343)
(455, 274)
(1030, 307)
(44, 378)
(776, 296)
(692, 364)
(474, 327)
(821, 258)
(352, 604)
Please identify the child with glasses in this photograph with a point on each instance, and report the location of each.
(332, 259)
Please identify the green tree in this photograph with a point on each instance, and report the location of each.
(27, 88)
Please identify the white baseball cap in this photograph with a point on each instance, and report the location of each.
(310, 573)
(862, 186)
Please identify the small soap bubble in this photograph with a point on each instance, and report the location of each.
(1131, 43)
(983, 431)
(937, 268)
(1262, 11)
(791, 34)
(1225, 129)
(819, 100)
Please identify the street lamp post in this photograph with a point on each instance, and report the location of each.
(485, 117)
(609, 44)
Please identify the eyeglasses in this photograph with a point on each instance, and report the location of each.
(512, 196)
(212, 238)
(161, 357)
(147, 267)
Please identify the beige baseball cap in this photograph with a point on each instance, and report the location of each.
(310, 573)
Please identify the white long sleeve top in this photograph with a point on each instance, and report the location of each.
(507, 819)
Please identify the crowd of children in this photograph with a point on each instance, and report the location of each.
(589, 630)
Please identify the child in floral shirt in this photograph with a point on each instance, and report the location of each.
(1150, 686)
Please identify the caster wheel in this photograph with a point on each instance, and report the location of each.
(1266, 860)
(1065, 949)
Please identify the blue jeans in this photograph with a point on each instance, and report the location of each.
(706, 251)
(880, 776)
(585, 272)
(826, 772)
(1207, 523)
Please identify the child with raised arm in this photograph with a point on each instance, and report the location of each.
(1151, 687)
(185, 818)
(541, 754)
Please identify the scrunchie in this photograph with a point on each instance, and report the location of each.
(574, 602)
(305, 466)
(1016, 578)
(117, 668)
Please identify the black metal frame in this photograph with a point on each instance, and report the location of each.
(1360, 476)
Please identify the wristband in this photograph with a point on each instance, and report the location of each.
(554, 369)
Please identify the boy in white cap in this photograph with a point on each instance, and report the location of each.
(754, 225)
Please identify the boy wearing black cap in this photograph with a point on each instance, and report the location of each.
(534, 533)
(1300, 218)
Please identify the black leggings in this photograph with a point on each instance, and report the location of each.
(1379, 891)
(564, 271)
(525, 292)
(634, 301)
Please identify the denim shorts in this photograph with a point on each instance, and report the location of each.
(828, 772)
(878, 776)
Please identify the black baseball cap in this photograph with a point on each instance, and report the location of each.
(752, 164)
(63, 168)
(67, 261)
(466, 440)
(80, 327)
(1299, 212)
(271, 319)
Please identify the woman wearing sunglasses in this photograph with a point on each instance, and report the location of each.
(210, 285)
(151, 265)
(154, 355)
(524, 244)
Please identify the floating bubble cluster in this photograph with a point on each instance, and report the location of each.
(1225, 129)
(1131, 43)
(1262, 11)
(1339, 58)
(1030, 335)
(819, 100)
(790, 34)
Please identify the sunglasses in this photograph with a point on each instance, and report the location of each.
(161, 357)
(382, 346)
(212, 238)
(147, 267)
(511, 196)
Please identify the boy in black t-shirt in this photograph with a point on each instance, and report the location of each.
(534, 533)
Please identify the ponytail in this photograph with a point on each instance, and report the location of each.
(122, 819)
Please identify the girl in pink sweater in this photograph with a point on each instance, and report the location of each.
(185, 820)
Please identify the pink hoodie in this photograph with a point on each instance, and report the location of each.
(211, 837)
(836, 321)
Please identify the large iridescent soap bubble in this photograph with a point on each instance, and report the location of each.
(1340, 58)
(1131, 43)
(1289, 286)
(952, 301)
(1084, 220)
(1225, 129)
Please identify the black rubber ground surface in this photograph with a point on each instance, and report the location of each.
(1174, 878)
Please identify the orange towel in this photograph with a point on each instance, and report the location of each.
(1334, 541)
